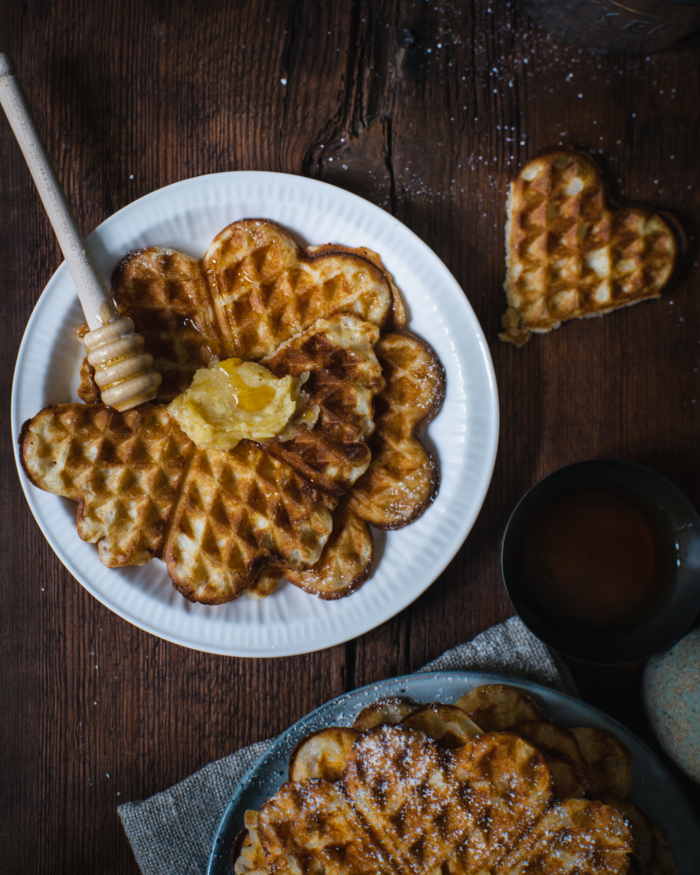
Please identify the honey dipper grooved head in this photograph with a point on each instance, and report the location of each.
(123, 371)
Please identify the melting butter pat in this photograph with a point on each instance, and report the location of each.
(233, 400)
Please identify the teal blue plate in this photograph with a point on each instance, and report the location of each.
(654, 790)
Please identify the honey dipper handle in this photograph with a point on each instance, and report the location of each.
(97, 303)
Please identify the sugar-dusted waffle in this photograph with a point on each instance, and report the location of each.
(396, 799)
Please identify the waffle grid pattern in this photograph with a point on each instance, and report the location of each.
(317, 817)
(397, 781)
(125, 470)
(576, 831)
(275, 515)
(345, 561)
(401, 479)
(508, 786)
(145, 491)
(344, 375)
(249, 296)
(569, 254)
(165, 294)
(485, 807)
(267, 290)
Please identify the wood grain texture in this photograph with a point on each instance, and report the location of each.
(95, 299)
(424, 109)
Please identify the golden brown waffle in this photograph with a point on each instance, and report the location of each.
(165, 293)
(144, 491)
(207, 537)
(496, 707)
(253, 289)
(398, 314)
(239, 511)
(447, 724)
(575, 835)
(256, 295)
(508, 785)
(343, 378)
(322, 755)
(400, 482)
(416, 805)
(312, 827)
(125, 471)
(266, 289)
(645, 840)
(402, 479)
(407, 806)
(569, 253)
(345, 562)
(395, 778)
(344, 565)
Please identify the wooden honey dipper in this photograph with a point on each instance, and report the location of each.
(123, 371)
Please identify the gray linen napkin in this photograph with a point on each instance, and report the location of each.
(173, 831)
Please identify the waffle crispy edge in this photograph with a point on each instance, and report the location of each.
(357, 562)
(417, 830)
(402, 470)
(632, 276)
(125, 507)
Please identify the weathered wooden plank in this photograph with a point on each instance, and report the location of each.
(424, 109)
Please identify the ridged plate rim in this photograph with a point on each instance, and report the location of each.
(186, 216)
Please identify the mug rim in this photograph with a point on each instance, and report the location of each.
(680, 606)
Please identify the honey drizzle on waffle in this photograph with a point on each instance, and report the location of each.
(253, 287)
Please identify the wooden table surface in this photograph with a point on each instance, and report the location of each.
(426, 109)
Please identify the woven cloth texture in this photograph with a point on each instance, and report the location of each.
(173, 831)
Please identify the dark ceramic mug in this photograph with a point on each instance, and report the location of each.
(679, 525)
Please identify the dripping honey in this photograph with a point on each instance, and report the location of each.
(596, 560)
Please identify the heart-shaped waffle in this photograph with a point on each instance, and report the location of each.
(397, 780)
(226, 527)
(575, 835)
(253, 290)
(401, 479)
(569, 253)
(145, 490)
(312, 827)
(407, 806)
(508, 787)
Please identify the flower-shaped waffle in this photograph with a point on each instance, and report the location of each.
(570, 254)
(393, 799)
(230, 521)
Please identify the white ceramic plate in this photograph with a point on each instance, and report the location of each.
(186, 216)
(654, 789)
